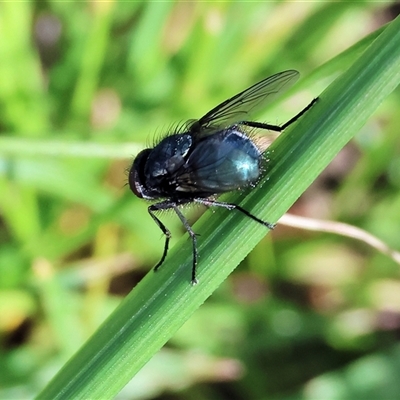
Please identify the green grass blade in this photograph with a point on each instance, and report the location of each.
(162, 302)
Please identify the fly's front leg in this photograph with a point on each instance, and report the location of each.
(165, 230)
(166, 205)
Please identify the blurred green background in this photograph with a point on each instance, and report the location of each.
(83, 87)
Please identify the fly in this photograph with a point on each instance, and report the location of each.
(210, 156)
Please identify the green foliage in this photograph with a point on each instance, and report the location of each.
(83, 87)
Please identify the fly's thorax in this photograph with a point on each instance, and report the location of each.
(168, 156)
(152, 174)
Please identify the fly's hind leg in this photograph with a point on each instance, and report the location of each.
(279, 128)
(231, 206)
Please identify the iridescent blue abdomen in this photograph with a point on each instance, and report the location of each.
(224, 161)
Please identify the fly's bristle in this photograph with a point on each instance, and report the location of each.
(162, 133)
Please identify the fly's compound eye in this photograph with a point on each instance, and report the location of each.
(136, 174)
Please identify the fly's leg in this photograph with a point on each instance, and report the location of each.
(166, 205)
(231, 206)
(192, 235)
(278, 128)
(165, 230)
(297, 116)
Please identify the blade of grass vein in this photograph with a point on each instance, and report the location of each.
(162, 302)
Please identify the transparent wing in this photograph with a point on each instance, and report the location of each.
(239, 107)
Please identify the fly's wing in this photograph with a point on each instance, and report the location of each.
(239, 107)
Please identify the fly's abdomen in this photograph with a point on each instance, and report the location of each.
(244, 166)
(221, 162)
